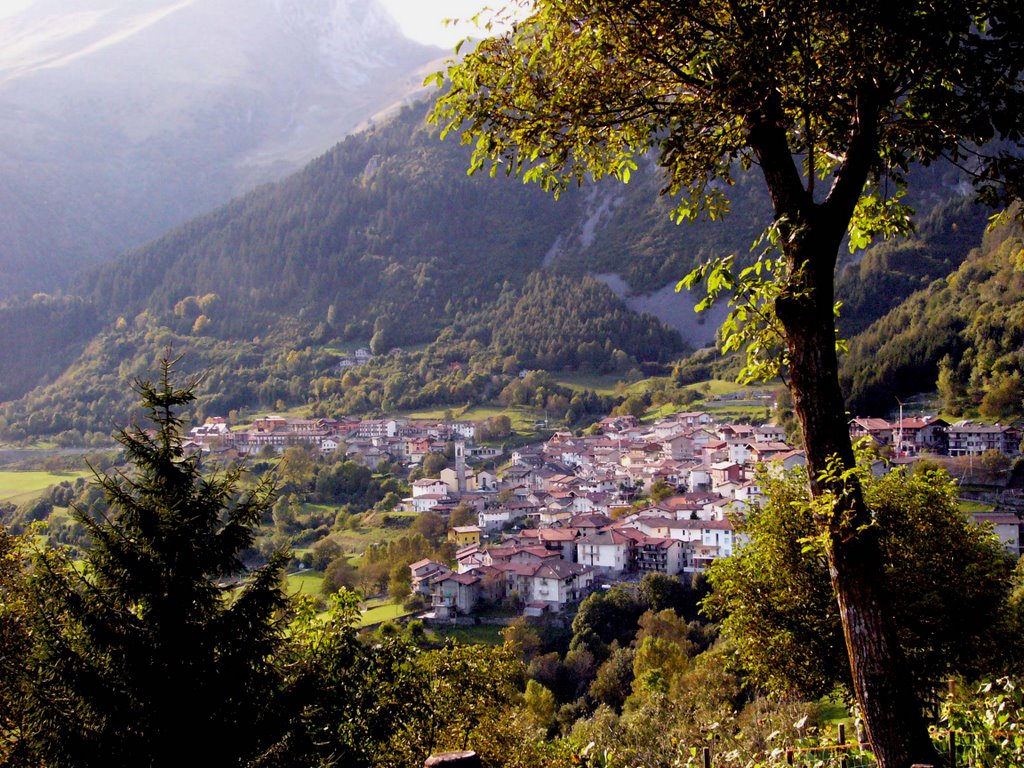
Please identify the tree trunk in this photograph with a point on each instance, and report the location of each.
(891, 711)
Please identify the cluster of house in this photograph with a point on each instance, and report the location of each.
(546, 569)
(367, 441)
(930, 434)
(570, 474)
(561, 518)
(915, 436)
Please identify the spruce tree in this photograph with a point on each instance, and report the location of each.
(14, 646)
(159, 648)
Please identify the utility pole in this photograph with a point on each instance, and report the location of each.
(899, 430)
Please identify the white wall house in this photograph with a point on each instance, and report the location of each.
(425, 501)
(557, 584)
(427, 487)
(607, 553)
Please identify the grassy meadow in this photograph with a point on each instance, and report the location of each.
(18, 486)
(304, 583)
(473, 634)
(522, 418)
(377, 611)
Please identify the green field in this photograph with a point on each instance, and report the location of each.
(726, 410)
(305, 583)
(346, 347)
(602, 384)
(522, 418)
(355, 540)
(833, 710)
(969, 506)
(474, 634)
(717, 386)
(19, 487)
(662, 411)
(379, 612)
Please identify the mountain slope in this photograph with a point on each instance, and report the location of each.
(385, 224)
(384, 241)
(963, 334)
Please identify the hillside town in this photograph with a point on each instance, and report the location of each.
(577, 512)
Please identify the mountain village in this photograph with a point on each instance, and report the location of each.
(579, 512)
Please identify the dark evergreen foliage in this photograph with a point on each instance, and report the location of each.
(385, 225)
(561, 322)
(15, 642)
(892, 270)
(39, 338)
(605, 618)
(158, 648)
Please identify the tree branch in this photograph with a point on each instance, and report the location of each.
(861, 154)
(767, 138)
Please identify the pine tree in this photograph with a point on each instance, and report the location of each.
(14, 645)
(159, 649)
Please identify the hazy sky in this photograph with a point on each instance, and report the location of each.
(10, 7)
(423, 20)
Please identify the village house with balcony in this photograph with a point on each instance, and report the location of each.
(658, 555)
(879, 430)
(920, 434)
(547, 586)
(423, 572)
(967, 438)
(455, 594)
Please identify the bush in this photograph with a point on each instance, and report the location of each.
(990, 724)
(415, 602)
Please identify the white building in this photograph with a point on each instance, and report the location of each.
(607, 552)
(428, 486)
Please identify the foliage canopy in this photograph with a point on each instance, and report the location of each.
(776, 603)
(580, 88)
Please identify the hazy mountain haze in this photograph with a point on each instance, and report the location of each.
(122, 118)
(445, 22)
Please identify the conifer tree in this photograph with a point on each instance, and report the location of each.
(158, 650)
(14, 645)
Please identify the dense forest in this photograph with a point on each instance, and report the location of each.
(293, 366)
(962, 335)
(891, 270)
(60, 327)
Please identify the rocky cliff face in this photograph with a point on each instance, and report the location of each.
(122, 118)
